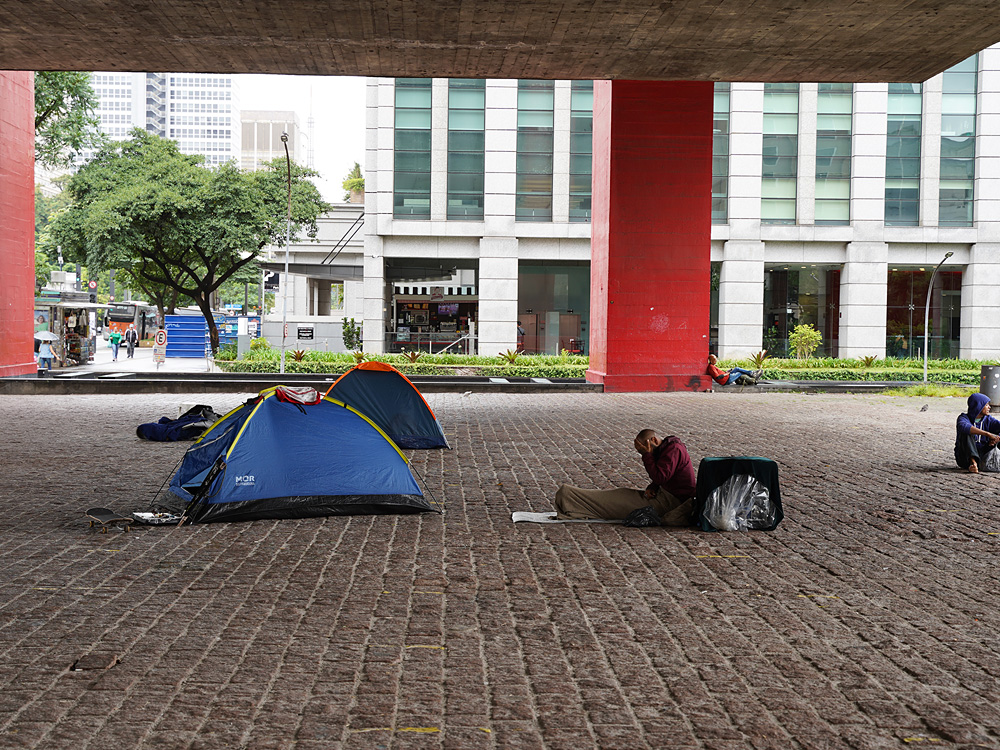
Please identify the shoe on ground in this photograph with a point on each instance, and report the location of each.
(757, 375)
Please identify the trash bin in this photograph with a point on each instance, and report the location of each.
(989, 383)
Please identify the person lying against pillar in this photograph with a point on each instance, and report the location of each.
(736, 375)
(671, 491)
(977, 431)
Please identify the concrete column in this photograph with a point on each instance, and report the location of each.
(439, 149)
(374, 302)
(871, 103)
(560, 152)
(17, 221)
(980, 336)
(741, 299)
(746, 142)
(497, 324)
(500, 157)
(805, 183)
(863, 286)
(930, 151)
(379, 150)
(651, 235)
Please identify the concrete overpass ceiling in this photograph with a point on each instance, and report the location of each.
(727, 40)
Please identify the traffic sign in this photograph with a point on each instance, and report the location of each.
(160, 338)
(92, 284)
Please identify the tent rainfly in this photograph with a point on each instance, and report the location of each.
(386, 395)
(280, 455)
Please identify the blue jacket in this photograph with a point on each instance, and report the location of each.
(967, 420)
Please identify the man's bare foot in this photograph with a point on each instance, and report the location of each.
(974, 468)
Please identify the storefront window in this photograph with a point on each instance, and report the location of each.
(553, 307)
(797, 295)
(906, 302)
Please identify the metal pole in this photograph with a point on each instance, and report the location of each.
(288, 236)
(927, 308)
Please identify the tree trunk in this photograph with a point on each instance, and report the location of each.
(205, 305)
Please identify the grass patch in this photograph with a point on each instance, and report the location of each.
(932, 390)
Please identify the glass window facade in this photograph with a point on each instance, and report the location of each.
(553, 306)
(581, 147)
(906, 301)
(533, 199)
(720, 155)
(780, 154)
(902, 155)
(958, 144)
(412, 143)
(833, 153)
(795, 295)
(466, 148)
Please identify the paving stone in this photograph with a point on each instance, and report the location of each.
(867, 619)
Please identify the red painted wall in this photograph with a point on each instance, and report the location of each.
(17, 222)
(651, 235)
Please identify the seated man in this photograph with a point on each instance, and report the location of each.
(977, 431)
(671, 491)
(735, 375)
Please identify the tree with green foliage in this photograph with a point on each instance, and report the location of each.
(65, 123)
(804, 340)
(351, 334)
(166, 219)
(353, 182)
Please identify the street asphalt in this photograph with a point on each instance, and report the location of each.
(868, 619)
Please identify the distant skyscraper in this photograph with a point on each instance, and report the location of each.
(262, 131)
(198, 110)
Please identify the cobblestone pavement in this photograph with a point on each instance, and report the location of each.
(868, 619)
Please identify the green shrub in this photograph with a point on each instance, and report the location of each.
(351, 333)
(804, 340)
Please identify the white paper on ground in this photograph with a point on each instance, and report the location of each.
(519, 516)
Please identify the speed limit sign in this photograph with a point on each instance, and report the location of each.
(161, 338)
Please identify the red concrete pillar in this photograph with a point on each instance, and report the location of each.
(651, 235)
(17, 222)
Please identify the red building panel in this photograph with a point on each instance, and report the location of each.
(651, 235)
(17, 222)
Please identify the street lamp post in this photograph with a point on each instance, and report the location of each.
(288, 236)
(927, 308)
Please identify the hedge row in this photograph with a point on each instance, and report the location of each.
(408, 368)
(873, 375)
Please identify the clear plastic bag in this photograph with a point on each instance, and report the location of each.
(739, 504)
(992, 461)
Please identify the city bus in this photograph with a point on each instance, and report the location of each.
(121, 314)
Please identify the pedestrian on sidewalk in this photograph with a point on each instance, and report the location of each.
(131, 339)
(45, 355)
(116, 341)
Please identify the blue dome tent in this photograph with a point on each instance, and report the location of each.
(279, 456)
(386, 395)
